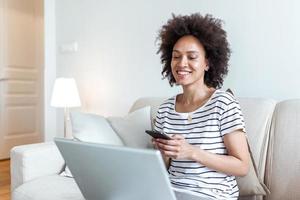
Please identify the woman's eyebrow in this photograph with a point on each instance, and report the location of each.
(192, 51)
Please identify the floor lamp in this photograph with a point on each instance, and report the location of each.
(65, 95)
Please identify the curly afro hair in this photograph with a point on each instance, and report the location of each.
(209, 32)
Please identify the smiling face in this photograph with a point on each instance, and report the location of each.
(188, 61)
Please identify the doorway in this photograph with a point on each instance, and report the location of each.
(21, 73)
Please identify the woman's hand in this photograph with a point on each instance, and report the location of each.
(176, 148)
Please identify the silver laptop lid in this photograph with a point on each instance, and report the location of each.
(106, 172)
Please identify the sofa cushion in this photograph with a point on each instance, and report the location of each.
(48, 188)
(257, 115)
(153, 102)
(89, 127)
(251, 184)
(131, 128)
(128, 130)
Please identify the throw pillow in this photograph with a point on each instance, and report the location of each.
(251, 183)
(131, 128)
(88, 127)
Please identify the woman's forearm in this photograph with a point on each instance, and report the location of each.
(223, 163)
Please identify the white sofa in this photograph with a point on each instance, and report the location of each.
(273, 130)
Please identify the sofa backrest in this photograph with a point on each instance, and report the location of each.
(283, 161)
(153, 102)
(258, 116)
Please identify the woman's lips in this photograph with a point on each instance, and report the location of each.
(182, 73)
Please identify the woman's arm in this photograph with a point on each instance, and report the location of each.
(235, 163)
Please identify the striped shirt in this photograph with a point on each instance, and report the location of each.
(205, 128)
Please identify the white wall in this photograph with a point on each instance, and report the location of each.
(50, 130)
(265, 43)
(116, 61)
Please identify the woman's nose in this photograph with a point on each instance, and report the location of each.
(183, 62)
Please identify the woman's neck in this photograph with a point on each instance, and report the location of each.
(192, 95)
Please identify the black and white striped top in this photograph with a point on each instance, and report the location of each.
(220, 115)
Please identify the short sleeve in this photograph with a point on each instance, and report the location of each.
(232, 118)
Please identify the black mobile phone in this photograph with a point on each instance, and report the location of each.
(156, 134)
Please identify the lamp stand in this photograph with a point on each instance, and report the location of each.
(66, 118)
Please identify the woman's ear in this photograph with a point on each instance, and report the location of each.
(206, 65)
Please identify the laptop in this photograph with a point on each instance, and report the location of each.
(106, 172)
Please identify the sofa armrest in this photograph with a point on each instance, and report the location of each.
(34, 160)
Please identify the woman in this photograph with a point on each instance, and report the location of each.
(208, 146)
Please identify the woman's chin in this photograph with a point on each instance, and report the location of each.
(182, 83)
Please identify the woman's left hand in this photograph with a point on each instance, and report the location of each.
(176, 148)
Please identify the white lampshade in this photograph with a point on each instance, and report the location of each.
(65, 93)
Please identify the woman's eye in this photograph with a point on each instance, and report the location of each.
(193, 57)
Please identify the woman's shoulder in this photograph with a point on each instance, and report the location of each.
(170, 102)
(168, 105)
(224, 96)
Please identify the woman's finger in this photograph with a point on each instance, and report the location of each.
(168, 147)
(178, 137)
(168, 142)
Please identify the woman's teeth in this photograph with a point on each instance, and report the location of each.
(183, 72)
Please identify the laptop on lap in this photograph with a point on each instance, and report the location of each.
(106, 172)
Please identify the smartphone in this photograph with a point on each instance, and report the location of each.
(156, 134)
